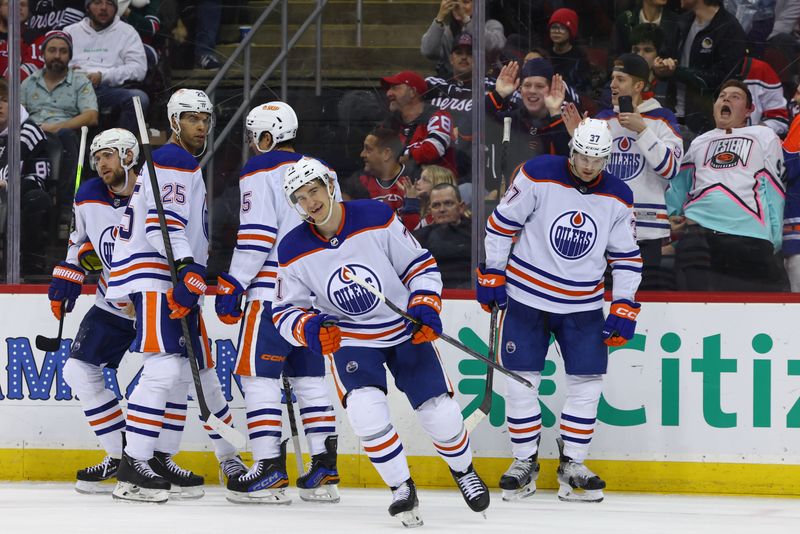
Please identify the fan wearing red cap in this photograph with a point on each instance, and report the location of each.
(567, 58)
(426, 132)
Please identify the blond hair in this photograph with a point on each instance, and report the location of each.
(437, 175)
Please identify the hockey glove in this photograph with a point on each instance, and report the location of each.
(490, 289)
(620, 323)
(318, 332)
(89, 259)
(424, 307)
(191, 284)
(228, 303)
(65, 286)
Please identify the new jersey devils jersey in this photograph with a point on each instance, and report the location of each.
(373, 244)
(97, 214)
(569, 231)
(139, 261)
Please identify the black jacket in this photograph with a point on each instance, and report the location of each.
(715, 54)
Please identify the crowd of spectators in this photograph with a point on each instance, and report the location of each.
(675, 80)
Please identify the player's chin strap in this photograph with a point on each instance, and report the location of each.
(177, 132)
(127, 169)
(309, 219)
(258, 148)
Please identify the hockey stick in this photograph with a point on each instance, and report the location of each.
(347, 273)
(504, 154)
(50, 344)
(228, 433)
(475, 418)
(298, 452)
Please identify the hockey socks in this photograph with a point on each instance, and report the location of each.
(579, 415)
(523, 415)
(262, 397)
(316, 411)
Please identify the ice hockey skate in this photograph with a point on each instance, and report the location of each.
(90, 480)
(265, 483)
(474, 491)
(577, 483)
(136, 481)
(320, 482)
(231, 467)
(185, 484)
(519, 481)
(405, 504)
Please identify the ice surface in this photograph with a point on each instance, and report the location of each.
(55, 508)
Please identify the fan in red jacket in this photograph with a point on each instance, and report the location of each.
(30, 60)
(427, 133)
(767, 90)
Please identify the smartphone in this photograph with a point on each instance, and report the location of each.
(625, 104)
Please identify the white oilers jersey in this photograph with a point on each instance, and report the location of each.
(373, 244)
(731, 181)
(568, 233)
(646, 162)
(97, 214)
(139, 263)
(265, 217)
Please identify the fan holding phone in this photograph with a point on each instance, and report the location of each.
(645, 153)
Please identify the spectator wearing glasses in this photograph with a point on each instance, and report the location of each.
(567, 58)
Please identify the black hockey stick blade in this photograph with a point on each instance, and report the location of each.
(50, 344)
(475, 418)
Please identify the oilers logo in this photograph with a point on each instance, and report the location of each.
(106, 250)
(626, 163)
(573, 234)
(350, 297)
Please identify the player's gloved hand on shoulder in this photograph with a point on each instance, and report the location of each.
(424, 307)
(318, 332)
(191, 285)
(620, 323)
(228, 303)
(89, 259)
(65, 286)
(490, 288)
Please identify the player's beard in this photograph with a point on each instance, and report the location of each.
(117, 185)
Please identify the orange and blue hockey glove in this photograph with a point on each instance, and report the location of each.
(318, 332)
(65, 286)
(490, 289)
(424, 307)
(228, 303)
(191, 285)
(620, 323)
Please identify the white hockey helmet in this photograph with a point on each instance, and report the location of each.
(184, 100)
(117, 139)
(276, 118)
(304, 171)
(592, 138)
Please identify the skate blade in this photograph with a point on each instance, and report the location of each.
(259, 497)
(86, 487)
(410, 519)
(187, 493)
(328, 493)
(125, 491)
(567, 493)
(520, 494)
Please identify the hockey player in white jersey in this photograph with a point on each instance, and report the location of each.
(318, 305)
(106, 331)
(645, 154)
(571, 219)
(263, 355)
(730, 195)
(139, 271)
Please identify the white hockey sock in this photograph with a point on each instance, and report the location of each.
(219, 407)
(523, 415)
(161, 372)
(441, 418)
(99, 404)
(169, 440)
(579, 416)
(316, 410)
(368, 412)
(262, 398)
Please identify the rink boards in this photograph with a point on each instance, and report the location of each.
(706, 398)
